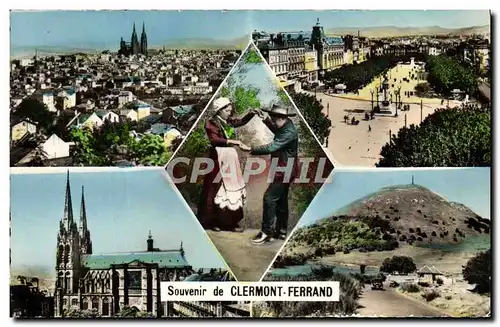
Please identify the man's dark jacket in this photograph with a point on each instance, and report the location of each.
(284, 146)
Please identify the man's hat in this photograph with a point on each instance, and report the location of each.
(220, 103)
(279, 111)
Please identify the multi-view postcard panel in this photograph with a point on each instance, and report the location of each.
(401, 243)
(250, 152)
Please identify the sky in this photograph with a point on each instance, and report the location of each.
(121, 209)
(104, 28)
(469, 186)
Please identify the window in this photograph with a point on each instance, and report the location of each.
(95, 303)
(85, 304)
(74, 302)
(65, 302)
(105, 307)
(134, 280)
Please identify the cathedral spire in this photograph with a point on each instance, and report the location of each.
(143, 28)
(182, 249)
(85, 241)
(412, 179)
(83, 212)
(68, 207)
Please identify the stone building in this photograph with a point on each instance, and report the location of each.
(109, 282)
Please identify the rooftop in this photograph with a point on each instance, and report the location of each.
(164, 259)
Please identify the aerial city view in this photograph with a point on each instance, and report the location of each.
(373, 83)
(156, 146)
(127, 103)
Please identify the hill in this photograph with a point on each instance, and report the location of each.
(201, 44)
(406, 214)
(393, 31)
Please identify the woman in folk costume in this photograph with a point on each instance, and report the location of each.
(222, 198)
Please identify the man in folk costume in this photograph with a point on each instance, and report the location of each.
(222, 199)
(284, 149)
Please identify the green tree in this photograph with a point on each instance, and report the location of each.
(84, 151)
(112, 142)
(478, 271)
(150, 151)
(446, 74)
(455, 137)
(35, 111)
(400, 264)
(312, 110)
(244, 99)
(252, 57)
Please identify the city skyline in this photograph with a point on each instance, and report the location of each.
(468, 186)
(50, 28)
(121, 208)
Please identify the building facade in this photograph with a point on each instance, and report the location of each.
(290, 54)
(107, 283)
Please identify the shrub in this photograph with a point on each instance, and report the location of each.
(433, 233)
(411, 230)
(431, 295)
(419, 230)
(401, 264)
(439, 281)
(448, 297)
(419, 239)
(478, 271)
(410, 288)
(422, 88)
(423, 284)
(394, 284)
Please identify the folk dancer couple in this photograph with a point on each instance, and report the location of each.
(222, 199)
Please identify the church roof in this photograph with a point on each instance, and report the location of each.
(164, 259)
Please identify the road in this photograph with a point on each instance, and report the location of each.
(247, 261)
(388, 303)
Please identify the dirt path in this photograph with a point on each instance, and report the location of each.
(247, 261)
(388, 303)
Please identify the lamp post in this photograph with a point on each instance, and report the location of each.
(372, 91)
(399, 95)
(377, 97)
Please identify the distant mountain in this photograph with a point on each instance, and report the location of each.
(201, 44)
(405, 213)
(188, 44)
(394, 31)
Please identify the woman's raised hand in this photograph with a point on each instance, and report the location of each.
(244, 147)
(258, 112)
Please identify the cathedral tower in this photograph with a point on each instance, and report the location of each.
(134, 42)
(68, 255)
(144, 41)
(85, 241)
(150, 243)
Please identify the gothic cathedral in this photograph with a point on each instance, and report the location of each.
(134, 47)
(106, 283)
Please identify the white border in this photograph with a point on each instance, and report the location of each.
(194, 4)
